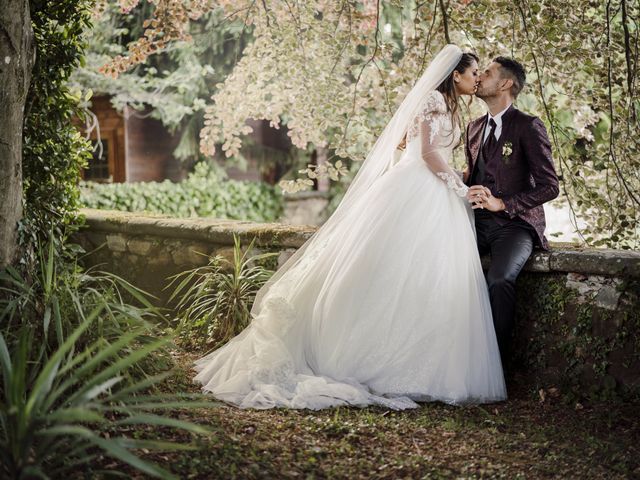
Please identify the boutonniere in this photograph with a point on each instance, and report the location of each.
(507, 150)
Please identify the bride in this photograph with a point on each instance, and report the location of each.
(386, 304)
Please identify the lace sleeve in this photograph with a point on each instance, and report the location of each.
(430, 124)
(433, 109)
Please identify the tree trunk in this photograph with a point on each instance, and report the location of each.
(16, 63)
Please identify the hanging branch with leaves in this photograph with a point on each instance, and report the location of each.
(332, 71)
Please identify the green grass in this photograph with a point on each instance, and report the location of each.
(521, 438)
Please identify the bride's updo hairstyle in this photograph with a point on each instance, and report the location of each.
(447, 87)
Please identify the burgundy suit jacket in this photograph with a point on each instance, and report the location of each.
(526, 178)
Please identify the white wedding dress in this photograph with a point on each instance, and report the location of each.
(392, 312)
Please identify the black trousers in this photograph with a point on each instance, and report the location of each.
(510, 244)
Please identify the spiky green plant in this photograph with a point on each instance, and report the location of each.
(214, 301)
(64, 414)
(58, 296)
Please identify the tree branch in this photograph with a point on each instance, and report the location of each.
(629, 62)
(445, 20)
(547, 110)
(612, 151)
(427, 41)
(355, 87)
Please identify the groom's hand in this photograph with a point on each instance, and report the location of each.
(481, 197)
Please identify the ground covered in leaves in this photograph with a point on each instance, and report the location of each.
(530, 436)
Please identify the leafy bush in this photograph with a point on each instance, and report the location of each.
(215, 300)
(202, 194)
(54, 153)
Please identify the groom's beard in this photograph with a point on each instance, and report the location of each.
(483, 95)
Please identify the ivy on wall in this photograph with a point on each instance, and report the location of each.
(571, 342)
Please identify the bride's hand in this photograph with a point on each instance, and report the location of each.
(481, 197)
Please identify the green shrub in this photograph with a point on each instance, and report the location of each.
(202, 194)
(54, 152)
(214, 301)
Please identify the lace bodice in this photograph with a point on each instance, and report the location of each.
(434, 112)
(434, 133)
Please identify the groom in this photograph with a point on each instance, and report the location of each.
(510, 174)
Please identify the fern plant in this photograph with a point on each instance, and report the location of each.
(214, 301)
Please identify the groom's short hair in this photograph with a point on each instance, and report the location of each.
(512, 69)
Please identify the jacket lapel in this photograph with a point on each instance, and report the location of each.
(476, 129)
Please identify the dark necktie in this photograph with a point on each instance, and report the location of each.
(491, 141)
(478, 176)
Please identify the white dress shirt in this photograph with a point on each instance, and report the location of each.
(498, 120)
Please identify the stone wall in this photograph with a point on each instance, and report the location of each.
(578, 325)
(147, 250)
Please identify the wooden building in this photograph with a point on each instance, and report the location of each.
(133, 147)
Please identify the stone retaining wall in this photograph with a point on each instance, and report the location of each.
(578, 323)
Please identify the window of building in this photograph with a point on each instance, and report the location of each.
(98, 168)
